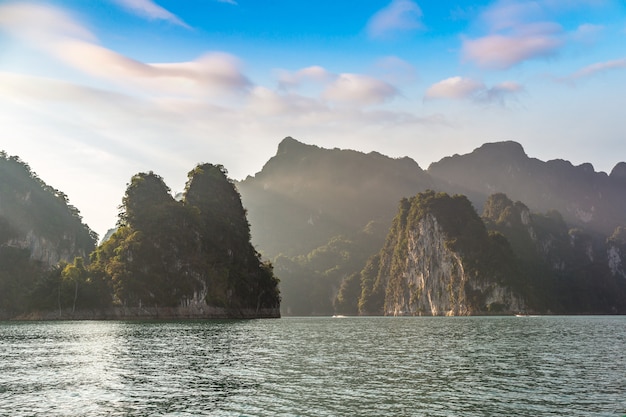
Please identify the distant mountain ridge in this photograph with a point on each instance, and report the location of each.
(584, 197)
(315, 193)
(306, 197)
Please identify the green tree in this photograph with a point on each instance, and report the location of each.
(74, 275)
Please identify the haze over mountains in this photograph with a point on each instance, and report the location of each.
(307, 199)
(343, 190)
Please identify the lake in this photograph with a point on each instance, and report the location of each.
(382, 366)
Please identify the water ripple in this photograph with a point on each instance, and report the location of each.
(476, 366)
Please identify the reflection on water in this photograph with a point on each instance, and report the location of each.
(477, 366)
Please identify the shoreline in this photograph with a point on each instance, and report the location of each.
(147, 313)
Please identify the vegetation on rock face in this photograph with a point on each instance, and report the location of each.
(307, 196)
(165, 253)
(309, 283)
(198, 250)
(392, 279)
(38, 229)
(310, 204)
(566, 270)
(535, 258)
(321, 214)
(39, 217)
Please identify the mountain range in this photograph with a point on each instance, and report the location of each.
(327, 218)
(321, 213)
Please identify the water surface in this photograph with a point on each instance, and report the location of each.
(461, 366)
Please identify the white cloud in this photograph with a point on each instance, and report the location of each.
(359, 89)
(150, 10)
(399, 15)
(460, 88)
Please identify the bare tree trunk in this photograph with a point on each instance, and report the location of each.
(75, 296)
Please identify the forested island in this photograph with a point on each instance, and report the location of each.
(490, 232)
(167, 259)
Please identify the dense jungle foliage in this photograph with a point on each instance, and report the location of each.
(164, 252)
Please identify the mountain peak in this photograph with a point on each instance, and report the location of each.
(619, 172)
(509, 147)
(290, 144)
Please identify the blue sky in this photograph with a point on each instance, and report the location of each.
(92, 92)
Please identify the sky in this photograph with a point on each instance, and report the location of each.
(93, 92)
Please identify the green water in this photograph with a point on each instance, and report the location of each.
(463, 366)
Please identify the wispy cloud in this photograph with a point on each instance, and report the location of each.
(398, 16)
(598, 67)
(288, 80)
(461, 88)
(395, 70)
(517, 32)
(36, 23)
(150, 10)
(500, 92)
(359, 89)
(587, 33)
(59, 35)
(344, 88)
(454, 88)
(506, 51)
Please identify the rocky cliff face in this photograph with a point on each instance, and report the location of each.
(39, 218)
(616, 253)
(440, 260)
(49, 251)
(434, 281)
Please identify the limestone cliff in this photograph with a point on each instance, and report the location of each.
(439, 259)
(616, 253)
(39, 218)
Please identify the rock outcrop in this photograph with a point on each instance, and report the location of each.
(191, 256)
(440, 260)
(39, 218)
